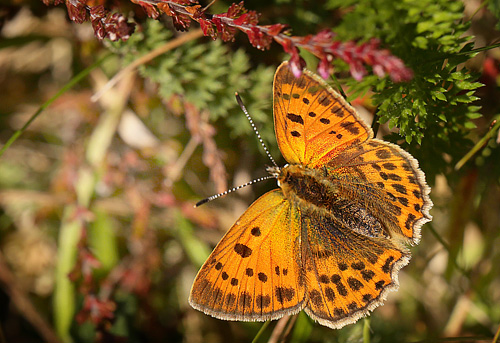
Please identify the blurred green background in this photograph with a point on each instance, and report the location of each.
(99, 240)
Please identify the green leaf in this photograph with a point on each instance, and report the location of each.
(470, 125)
(462, 84)
(439, 96)
(424, 26)
(420, 42)
(473, 115)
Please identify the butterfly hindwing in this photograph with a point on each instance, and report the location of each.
(252, 274)
(392, 178)
(348, 274)
(312, 122)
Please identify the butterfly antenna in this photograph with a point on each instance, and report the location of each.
(213, 197)
(240, 102)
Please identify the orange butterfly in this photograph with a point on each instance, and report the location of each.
(332, 239)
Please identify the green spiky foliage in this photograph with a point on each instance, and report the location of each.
(206, 74)
(434, 111)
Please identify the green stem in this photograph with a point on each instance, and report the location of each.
(482, 142)
(472, 53)
(63, 90)
(484, 48)
(447, 248)
(366, 330)
(262, 328)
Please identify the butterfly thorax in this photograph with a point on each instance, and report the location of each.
(317, 191)
(303, 185)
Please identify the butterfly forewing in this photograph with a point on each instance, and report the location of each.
(312, 121)
(252, 274)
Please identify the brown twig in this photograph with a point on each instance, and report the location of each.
(497, 335)
(279, 329)
(203, 133)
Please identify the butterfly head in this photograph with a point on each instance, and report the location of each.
(285, 173)
(274, 171)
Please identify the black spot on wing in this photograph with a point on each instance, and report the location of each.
(242, 250)
(350, 126)
(284, 294)
(383, 154)
(295, 118)
(255, 231)
(315, 298)
(263, 301)
(245, 299)
(262, 277)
